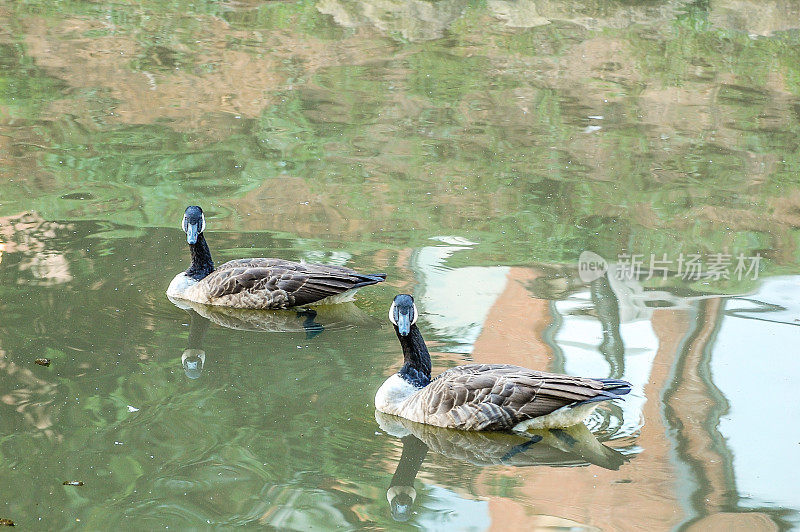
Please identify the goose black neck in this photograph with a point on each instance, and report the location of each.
(417, 361)
(202, 264)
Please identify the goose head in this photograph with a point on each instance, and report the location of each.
(403, 313)
(194, 223)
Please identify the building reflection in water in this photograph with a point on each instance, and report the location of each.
(702, 409)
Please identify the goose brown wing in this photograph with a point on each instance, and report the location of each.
(296, 283)
(498, 396)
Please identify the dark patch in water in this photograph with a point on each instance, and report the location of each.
(78, 196)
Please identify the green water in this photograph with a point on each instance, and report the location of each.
(470, 150)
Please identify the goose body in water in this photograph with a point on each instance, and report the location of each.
(259, 283)
(483, 396)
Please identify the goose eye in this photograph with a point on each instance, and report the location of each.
(185, 224)
(391, 314)
(416, 315)
(203, 225)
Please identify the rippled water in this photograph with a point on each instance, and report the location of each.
(471, 150)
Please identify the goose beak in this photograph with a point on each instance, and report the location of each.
(403, 323)
(191, 233)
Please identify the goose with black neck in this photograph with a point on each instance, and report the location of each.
(259, 283)
(483, 396)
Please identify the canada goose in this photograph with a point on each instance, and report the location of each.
(483, 396)
(259, 283)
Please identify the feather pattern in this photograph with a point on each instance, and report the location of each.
(496, 396)
(484, 396)
(276, 283)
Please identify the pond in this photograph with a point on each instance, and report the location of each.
(605, 188)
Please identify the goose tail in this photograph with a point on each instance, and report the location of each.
(368, 279)
(612, 388)
(616, 386)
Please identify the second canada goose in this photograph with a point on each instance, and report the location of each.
(259, 283)
(483, 396)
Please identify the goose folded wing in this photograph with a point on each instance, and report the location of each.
(313, 286)
(307, 283)
(302, 283)
(233, 280)
(498, 396)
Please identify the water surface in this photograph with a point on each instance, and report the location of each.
(472, 151)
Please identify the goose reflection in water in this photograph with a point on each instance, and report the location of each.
(571, 446)
(312, 322)
(193, 357)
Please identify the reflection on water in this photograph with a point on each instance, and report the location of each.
(313, 321)
(471, 150)
(267, 435)
(572, 446)
(194, 358)
(609, 328)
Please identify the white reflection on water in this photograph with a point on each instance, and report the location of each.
(456, 301)
(444, 509)
(756, 366)
(579, 336)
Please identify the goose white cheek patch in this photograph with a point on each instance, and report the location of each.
(393, 317)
